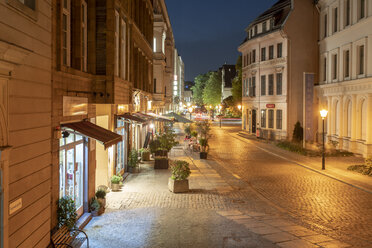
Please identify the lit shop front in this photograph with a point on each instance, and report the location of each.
(74, 159)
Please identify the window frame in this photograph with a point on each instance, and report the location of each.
(361, 60)
(279, 119)
(347, 63)
(263, 53)
(117, 44)
(270, 88)
(270, 117)
(84, 35)
(279, 50)
(123, 43)
(66, 33)
(271, 52)
(263, 118)
(279, 75)
(263, 85)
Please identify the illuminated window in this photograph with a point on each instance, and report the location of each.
(163, 43)
(154, 44)
(66, 32)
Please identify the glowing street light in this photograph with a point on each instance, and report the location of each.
(323, 114)
(239, 107)
(151, 125)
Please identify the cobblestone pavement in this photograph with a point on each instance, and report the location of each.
(320, 203)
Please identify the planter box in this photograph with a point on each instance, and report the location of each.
(145, 156)
(161, 153)
(178, 186)
(203, 155)
(161, 164)
(134, 169)
(115, 186)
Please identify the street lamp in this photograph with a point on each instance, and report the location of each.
(190, 110)
(239, 107)
(323, 114)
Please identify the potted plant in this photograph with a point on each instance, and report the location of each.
(133, 161)
(66, 212)
(145, 154)
(178, 182)
(115, 182)
(94, 206)
(101, 198)
(166, 141)
(203, 128)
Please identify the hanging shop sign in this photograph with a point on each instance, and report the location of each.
(75, 106)
(271, 105)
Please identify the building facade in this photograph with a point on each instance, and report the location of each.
(228, 73)
(178, 82)
(274, 67)
(25, 123)
(345, 78)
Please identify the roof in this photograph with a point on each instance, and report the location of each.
(87, 128)
(132, 118)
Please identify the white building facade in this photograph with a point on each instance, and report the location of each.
(345, 80)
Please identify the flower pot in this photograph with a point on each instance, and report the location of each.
(94, 213)
(178, 186)
(102, 202)
(115, 186)
(133, 169)
(161, 164)
(145, 156)
(203, 155)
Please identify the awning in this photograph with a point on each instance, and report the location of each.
(179, 118)
(91, 130)
(132, 118)
(159, 117)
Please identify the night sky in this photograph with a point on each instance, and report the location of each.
(208, 32)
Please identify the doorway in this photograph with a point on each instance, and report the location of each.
(253, 121)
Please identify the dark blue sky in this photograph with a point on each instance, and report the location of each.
(208, 32)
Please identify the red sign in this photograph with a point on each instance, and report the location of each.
(270, 105)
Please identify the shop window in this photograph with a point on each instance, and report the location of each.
(271, 118)
(263, 118)
(279, 119)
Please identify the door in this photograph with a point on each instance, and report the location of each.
(253, 121)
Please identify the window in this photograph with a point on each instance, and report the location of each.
(279, 79)
(123, 49)
(334, 71)
(263, 85)
(279, 50)
(254, 56)
(279, 118)
(116, 43)
(84, 35)
(255, 30)
(325, 69)
(154, 85)
(271, 23)
(29, 3)
(163, 42)
(361, 60)
(346, 63)
(335, 20)
(263, 118)
(271, 52)
(66, 33)
(264, 27)
(250, 58)
(347, 13)
(271, 85)
(263, 54)
(325, 25)
(249, 92)
(253, 86)
(154, 45)
(348, 121)
(271, 118)
(362, 9)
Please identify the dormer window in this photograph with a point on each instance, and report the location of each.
(263, 27)
(271, 23)
(255, 30)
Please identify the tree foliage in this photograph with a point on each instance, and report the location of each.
(212, 90)
(237, 82)
(198, 88)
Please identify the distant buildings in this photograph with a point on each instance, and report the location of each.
(178, 83)
(187, 97)
(279, 52)
(228, 73)
(345, 78)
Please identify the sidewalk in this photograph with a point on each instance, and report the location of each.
(336, 167)
(213, 214)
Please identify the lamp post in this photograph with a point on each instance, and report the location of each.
(323, 114)
(190, 110)
(220, 107)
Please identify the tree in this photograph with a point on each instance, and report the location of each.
(198, 88)
(212, 90)
(237, 82)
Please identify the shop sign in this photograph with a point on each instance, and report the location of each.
(270, 105)
(75, 106)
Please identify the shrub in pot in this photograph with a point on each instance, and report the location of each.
(115, 182)
(203, 128)
(203, 148)
(94, 206)
(101, 198)
(178, 182)
(66, 212)
(145, 154)
(133, 161)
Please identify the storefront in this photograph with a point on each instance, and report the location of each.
(122, 128)
(73, 159)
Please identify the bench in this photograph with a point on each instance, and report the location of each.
(65, 237)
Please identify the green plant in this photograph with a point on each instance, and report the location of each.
(180, 170)
(66, 212)
(144, 150)
(363, 169)
(94, 205)
(116, 179)
(298, 132)
(187, 129)
(194, 134)
(203, 144)
(101, 194)
(203, 128)
(133, 158)
(154, 145)
(167, 139)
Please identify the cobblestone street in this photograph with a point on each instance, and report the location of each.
(240, 197)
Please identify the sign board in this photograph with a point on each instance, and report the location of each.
(308, 108)
(75, 106)
(14, 206)
(270, 105)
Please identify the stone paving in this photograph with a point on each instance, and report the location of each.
(222, 208)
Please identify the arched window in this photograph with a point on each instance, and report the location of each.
(348, 120)
(363, 120)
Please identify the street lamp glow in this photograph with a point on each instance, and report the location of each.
(323, 113)
(190, 109)
(239, 107)
(188, 104)
(220, 107)
(151, 125)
